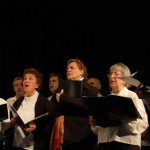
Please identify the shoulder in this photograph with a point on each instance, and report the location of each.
(17, 103)
(42, 98)
(11, 98)
(132, 94)
(2, 101)
(127, 92)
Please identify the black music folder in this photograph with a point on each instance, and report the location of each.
(99, 107)
(71, 87)
(19, 121)
(3, 112)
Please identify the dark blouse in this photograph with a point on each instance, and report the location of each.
(76, 116)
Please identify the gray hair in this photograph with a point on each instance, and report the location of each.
(125, 71)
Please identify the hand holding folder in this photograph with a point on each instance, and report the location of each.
(20, 122)
(100, 108)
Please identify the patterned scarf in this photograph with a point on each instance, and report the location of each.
(57, 134)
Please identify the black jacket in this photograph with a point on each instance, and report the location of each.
(42, 132)
(76, 117)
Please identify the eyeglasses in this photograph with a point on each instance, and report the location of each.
(115, 74)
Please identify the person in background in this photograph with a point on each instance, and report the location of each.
(54, 79)
(126, 135)
(31, 105)
(72, 114)
(144, 94)
(18, 89)
(19, 92)
(96, 83)
(93, 81)
(4, 124)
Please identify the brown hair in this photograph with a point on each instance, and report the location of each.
(80, 65)
(56, 75)
(38, 75)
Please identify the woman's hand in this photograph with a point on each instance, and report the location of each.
(31, 127)
(58, 95)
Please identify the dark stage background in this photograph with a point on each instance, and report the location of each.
(45, 34)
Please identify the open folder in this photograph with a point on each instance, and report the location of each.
(99, 108)
(3, 112)
(19, 121)
(131, 80)
(71, 87)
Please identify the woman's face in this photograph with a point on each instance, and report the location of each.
(114, 81)
(73, 72)
(30, 84)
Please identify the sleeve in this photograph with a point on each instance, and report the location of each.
(137, 126)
